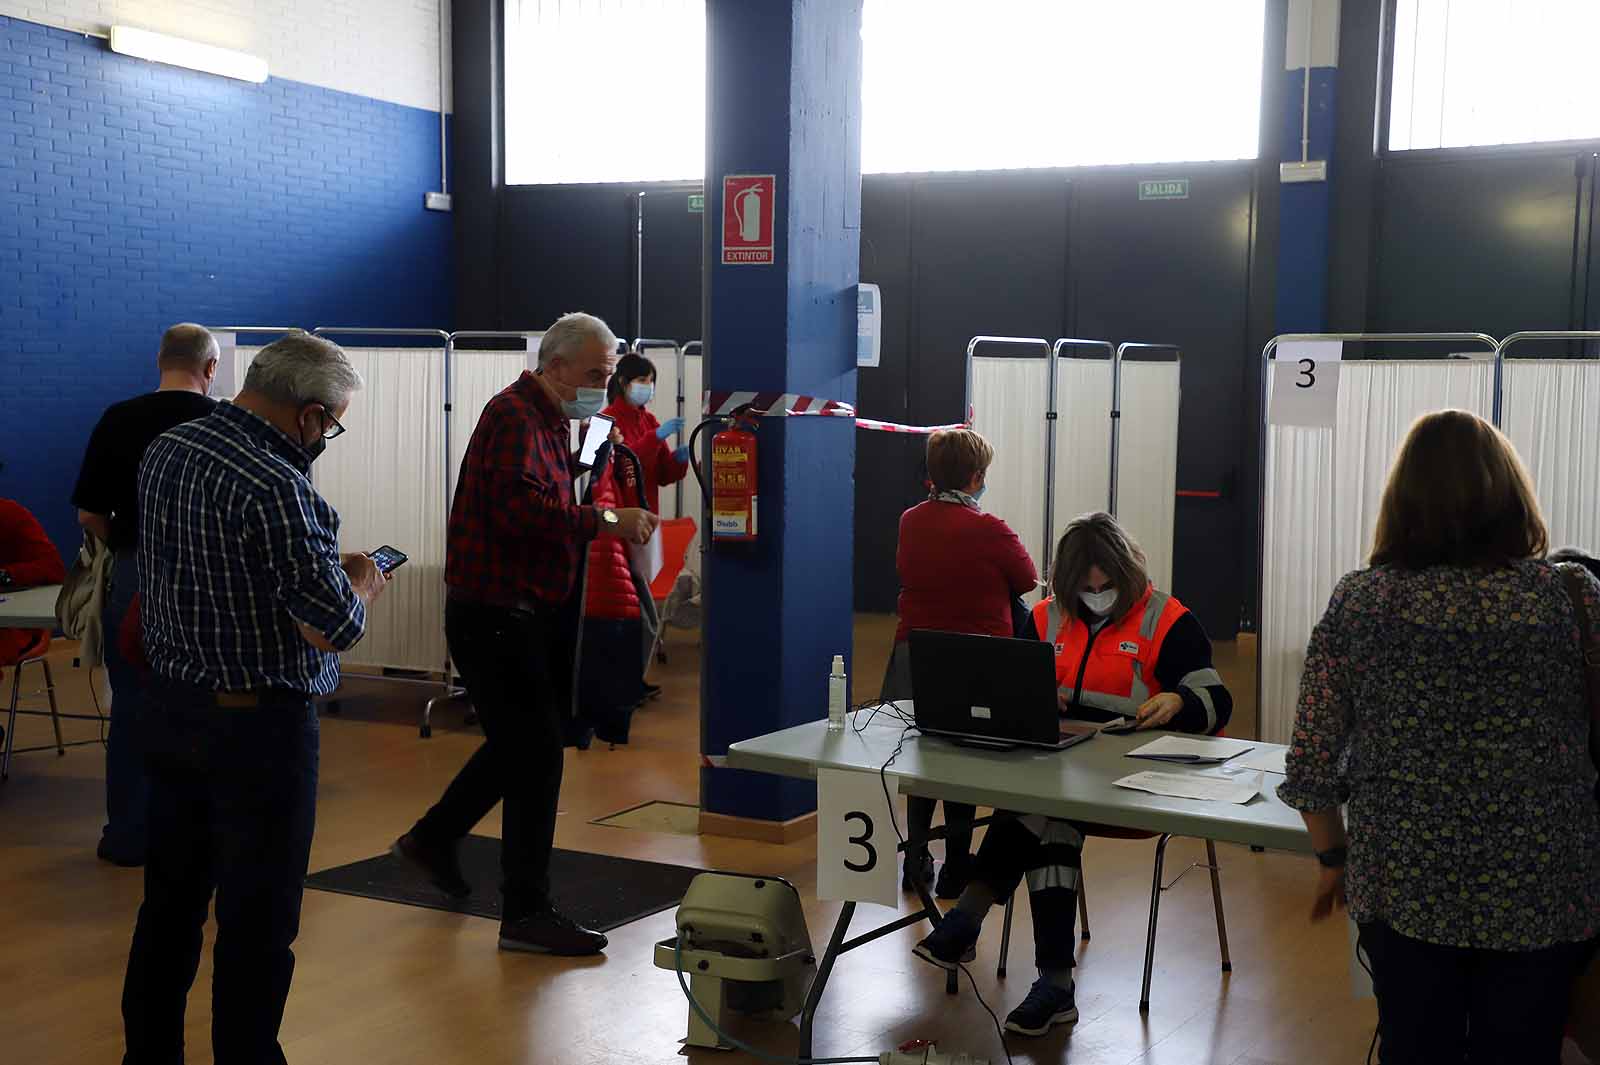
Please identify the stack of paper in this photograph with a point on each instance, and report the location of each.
(1192, 750)
(1235, 789)
(1270, 759)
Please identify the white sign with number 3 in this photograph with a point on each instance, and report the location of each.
(1305, 383)
(856, 856)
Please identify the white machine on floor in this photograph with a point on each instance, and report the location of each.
(744, 944)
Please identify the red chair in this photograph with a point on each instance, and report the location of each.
(32, 653)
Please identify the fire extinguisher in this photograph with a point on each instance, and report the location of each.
(733, 483)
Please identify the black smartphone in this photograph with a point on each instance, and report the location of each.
(388, 558)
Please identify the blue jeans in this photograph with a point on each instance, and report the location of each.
(232, 808)
(127, 786)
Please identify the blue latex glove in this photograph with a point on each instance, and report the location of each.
(681, 456)
(673, 426)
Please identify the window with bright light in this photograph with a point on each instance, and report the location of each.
(605, 90)
(946, 85)
(1470, 72)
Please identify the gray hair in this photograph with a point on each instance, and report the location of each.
(570, 334)
(300, 369)
(187, 346)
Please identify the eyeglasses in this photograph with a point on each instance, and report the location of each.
(329, 432)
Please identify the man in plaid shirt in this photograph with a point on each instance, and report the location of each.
(516, 544)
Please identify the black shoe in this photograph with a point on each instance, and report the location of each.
(1045, 1007)
(922, 865)
(550, 932)
(953, 877)
(955, 941)
(439, 865)
(106, 853)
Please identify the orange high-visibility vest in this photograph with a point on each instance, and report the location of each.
(1113, 670)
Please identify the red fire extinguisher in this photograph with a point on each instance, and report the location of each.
(733, 483)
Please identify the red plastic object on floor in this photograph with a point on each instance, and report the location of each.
(676, 535)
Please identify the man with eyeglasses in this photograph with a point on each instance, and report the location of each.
(245, 602)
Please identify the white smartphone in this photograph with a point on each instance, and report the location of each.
(599, 429)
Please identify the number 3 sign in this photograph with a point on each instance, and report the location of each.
(1305, 383)
(856, 856)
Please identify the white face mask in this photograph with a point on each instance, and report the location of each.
(1099, 603)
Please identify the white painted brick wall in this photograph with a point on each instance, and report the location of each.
(387, 49)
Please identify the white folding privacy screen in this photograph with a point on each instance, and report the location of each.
(679, 394)
(1049, 470)
(1321, 487)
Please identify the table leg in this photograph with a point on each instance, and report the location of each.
(808, 1012)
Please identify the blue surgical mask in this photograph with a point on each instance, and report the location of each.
(1100, 604)
(590, 402)
(640, 393)
(978, 495)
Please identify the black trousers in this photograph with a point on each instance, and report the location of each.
(1050, 854)
(1455, 1004)
(232, 808)
(958, 818)
(508, 659)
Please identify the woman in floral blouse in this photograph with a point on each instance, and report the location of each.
(1443, 702)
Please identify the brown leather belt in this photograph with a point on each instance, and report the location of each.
(238, 700)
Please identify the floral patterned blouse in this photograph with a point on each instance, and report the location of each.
(1446, 707)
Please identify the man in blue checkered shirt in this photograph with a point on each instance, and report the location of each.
(245, 602)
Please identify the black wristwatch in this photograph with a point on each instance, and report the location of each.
(1333, 857)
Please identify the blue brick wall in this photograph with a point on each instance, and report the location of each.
(134, 195)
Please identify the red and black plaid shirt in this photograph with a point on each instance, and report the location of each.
(516, 532)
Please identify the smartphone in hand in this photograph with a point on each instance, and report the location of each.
(388, 559)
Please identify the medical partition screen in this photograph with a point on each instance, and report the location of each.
(665, 407)
(1322, 488)
(1010, 397)
(1550, 408)
(1147, 458)
(1083, 436)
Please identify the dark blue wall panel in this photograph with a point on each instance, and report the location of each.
(134, 195)
(1303, 208)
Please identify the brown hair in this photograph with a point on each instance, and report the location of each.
(955, 457)
(1097, 540)
(1457, 495)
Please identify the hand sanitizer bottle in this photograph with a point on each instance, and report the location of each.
(836, 695)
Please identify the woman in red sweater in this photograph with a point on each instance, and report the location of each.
(961, 570)
(630, 391)
(27, 560)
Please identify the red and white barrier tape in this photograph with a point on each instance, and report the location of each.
(790, 405)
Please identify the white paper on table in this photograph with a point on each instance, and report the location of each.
(1233, 789)
(857, 859)
(1267, 759)
(647, 557)
(1192, 750)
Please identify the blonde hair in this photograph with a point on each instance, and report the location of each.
(1097, 540)
(955, 457)
(1457, 495)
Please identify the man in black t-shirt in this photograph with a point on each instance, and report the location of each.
(107, 500)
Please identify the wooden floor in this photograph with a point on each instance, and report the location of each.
(385, 983)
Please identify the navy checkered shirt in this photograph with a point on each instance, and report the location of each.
(235, 547)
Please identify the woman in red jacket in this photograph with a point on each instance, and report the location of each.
(632, 388)
(27, 559)
(961, 570)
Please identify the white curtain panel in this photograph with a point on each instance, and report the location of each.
(1147, 461)
(1322, 493)
(476, 377)
(385, 477)
(1009, 400)
(1083, 440)
(242, 358)
(1551, 411)
(665, 408)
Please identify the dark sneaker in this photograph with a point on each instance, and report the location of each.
(953, 877)
(107, 853)
(438, 865)
(953, 942)
(652, 691)
(920, 864)
(1045, 1007)
(550, 932)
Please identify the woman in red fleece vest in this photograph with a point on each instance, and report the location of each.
(27, 560)
(632, 388)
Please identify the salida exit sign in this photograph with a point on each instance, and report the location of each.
(1177, 189)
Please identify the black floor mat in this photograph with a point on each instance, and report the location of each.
(596, 890)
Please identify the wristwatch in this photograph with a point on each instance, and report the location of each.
(1333, 857)
(609, 519)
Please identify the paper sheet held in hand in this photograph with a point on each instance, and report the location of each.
(1211, 788)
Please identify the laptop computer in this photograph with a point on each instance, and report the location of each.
(988, 691)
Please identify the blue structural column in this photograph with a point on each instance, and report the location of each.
(1304, 208)
(783, 88)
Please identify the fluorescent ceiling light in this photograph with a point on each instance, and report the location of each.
(159, 48)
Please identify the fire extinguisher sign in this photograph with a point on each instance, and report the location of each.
(747, 219)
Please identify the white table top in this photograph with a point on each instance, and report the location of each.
(34, 608)
(1075, 783)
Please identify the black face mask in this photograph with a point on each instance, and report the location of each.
(315, 448)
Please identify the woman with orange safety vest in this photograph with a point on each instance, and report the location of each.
(1124, 650)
